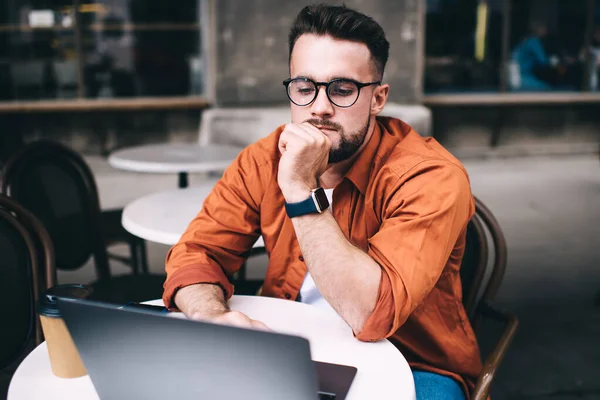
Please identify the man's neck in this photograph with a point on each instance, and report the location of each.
(334, 173)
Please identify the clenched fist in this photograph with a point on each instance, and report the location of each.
(304, 154)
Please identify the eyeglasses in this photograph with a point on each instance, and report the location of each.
(342, 92)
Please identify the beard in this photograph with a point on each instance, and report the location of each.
(349, 143)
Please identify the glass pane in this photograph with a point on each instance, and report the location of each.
(547, 39)
(37, 43)
(142, 48)
(463, 45)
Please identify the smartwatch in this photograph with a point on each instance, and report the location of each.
(316, 203)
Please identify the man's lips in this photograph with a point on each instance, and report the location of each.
(325, 128)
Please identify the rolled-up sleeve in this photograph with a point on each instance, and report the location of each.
(218, 239)
(424, 213)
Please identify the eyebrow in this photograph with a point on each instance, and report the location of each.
(328, 80)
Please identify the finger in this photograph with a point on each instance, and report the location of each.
(312, 130)
(290, 139)
(260, 325)
(302, 132)
(234, 319)
(320, 137)
(311, 134)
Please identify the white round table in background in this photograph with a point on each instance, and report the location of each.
(179, 158)
(383, 373)
(164, 216)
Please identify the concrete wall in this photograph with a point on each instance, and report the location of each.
(252, 52)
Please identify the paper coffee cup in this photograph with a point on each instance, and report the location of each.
(64, 357)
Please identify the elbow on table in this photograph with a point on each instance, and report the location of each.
(383, 322)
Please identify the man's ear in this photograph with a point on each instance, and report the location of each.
(380, 96)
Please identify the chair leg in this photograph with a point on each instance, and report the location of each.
(135, 259)
(242, 272)
(143, 256)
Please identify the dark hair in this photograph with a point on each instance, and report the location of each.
(341, 22)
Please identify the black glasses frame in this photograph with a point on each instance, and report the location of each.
(359, 85)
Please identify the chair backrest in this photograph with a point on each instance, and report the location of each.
(56, 185)
(243, 126)
(20, 289)
(240, 126)
(27, 73)
(417, 116)
(479, 283)
(66, 72)
(41, 240)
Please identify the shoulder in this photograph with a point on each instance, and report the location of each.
(262, 154)
(403, 152)
(416, 163)
(417, 155)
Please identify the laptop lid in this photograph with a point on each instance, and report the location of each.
(143, 354)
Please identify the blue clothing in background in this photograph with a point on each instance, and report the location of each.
(530, 54)
(430, 386)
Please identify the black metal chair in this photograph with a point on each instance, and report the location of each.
(40, 237)
(58, 187)
(479, 291)
(110, 221)
(20, 288)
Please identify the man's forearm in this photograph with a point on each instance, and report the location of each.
(345, 275)
(201, 301)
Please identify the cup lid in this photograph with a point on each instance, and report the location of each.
(47, 303)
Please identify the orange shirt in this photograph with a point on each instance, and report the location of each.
(405, 201)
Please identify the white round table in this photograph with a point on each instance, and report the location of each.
(164, 216)
(383, 373)
(180, 158)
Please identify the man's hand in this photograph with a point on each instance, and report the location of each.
(239, 319)
(304, 155)
(205, 302)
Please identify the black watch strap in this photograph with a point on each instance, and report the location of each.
(316, 203)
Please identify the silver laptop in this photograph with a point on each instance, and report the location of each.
(139, 353)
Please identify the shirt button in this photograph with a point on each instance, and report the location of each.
(301, 258)
(288, 296)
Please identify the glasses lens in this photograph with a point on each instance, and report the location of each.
(343, 93)
(301, 91)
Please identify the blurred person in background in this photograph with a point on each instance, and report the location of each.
(360, 215)
(594, 58)
(531, 57)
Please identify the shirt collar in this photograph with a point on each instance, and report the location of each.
(360, 171)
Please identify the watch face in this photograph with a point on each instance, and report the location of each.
(321, 199)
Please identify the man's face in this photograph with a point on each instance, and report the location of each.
(323, 58)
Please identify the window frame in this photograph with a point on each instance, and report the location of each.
(504, 96)
(206, 18)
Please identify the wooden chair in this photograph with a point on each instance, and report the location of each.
(479, 290)
(20, 286)
(57, 186)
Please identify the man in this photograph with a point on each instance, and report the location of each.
(532, 59)
(385, 255)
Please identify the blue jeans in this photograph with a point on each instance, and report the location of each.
(430, 386)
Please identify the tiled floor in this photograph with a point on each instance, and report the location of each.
(549, 209)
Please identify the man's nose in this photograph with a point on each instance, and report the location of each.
(322, 107)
